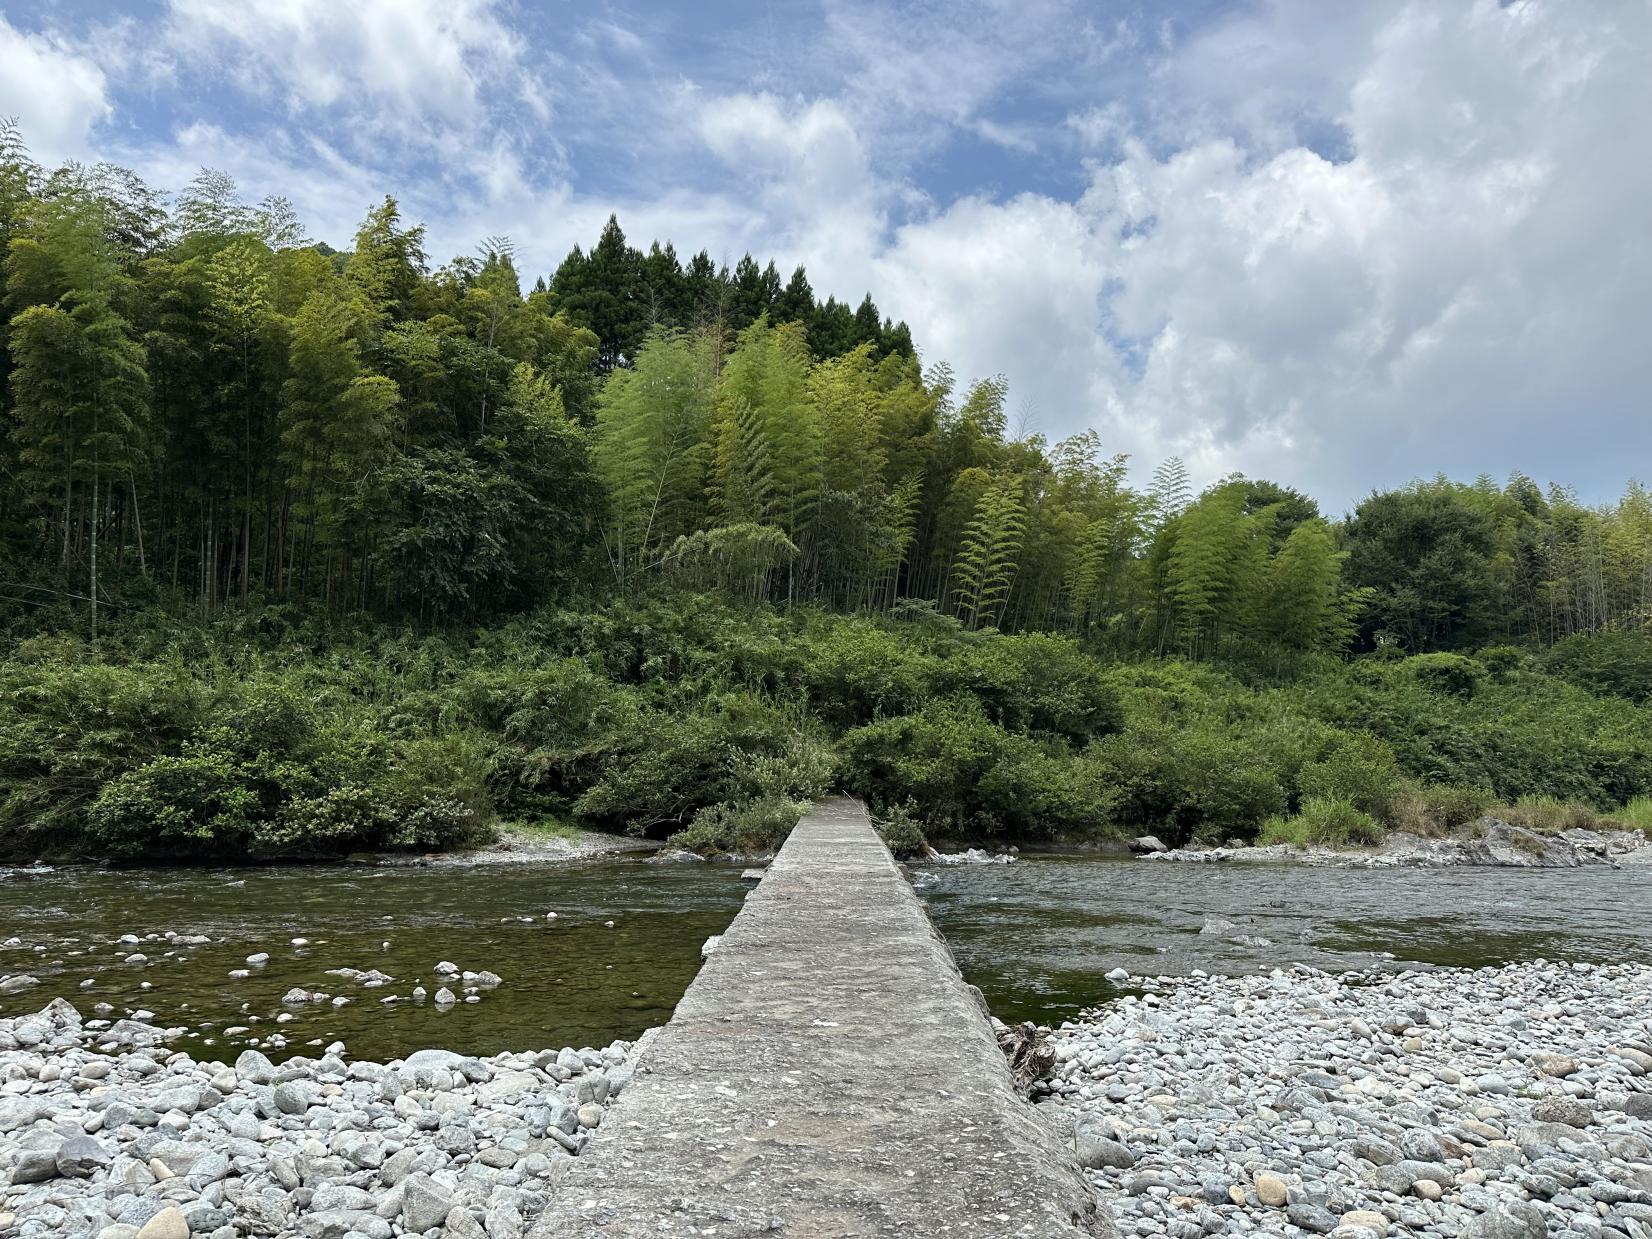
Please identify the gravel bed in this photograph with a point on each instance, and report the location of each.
(107, 1134)
(1507, 1103)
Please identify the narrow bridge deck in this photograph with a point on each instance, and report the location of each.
(828, 1073)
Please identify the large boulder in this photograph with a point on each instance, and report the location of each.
(1148, 843)
(1518, 848)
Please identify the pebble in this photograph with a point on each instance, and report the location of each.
(1501, 1103)
(105, 1134)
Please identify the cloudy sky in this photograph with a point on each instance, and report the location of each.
(1336, 244)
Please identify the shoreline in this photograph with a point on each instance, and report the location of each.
(1490, 844)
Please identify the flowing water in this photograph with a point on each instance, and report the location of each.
(1037, 936)
(571, 980)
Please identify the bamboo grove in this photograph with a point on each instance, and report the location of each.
(203, 407)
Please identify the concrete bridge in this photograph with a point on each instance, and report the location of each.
(828, 1073)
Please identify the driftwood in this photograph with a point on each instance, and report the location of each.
(1031, 1056)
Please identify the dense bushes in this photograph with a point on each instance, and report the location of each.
(683, 716)
(154, 760)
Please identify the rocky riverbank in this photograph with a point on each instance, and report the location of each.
(1510, 1103)
(106, 1134)
(1486, 843)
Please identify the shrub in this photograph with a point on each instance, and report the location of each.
(1195, 782)
(1636, 815)
(1355, 767)
(673, 763)
(194, 805)
(855, 672)
(1429, 809)
(967, 775)
(1502, 661)
(1325, 820)
(901, 833)
(748, 826)
(1037, 683)
(1618, 663)
(1448, 674)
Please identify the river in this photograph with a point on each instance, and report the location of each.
(1037, 936)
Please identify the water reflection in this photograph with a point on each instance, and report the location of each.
(1038, 936)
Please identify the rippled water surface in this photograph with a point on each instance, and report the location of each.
(567, 981)
(1037, 936)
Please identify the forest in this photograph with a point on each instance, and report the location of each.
(309, 550)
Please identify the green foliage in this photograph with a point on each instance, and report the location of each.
(1549, 814)
(1619, 663)
(901, 833)
(1431, 810)
(246, 460)
(746, 827)
(968, 776)
(1357, 768)
(1427, 553)
(1327, 821)
(1451, 674)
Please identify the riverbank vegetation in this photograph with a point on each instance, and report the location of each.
(306, 551)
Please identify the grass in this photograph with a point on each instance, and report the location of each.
(541, 828)
(1636, 815)
(1324, 820)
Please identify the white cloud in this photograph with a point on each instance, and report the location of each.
(399, 65)
(803, 172)
(56, 92)
(1440, 300)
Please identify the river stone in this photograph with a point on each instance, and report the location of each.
(1636, 1106)
(1311, 1217)
(254, 1067)
(1271, 1190)
(209, 1168)
(508, 1085)
(80, 1157)
(1376, 1151)
(17, 1112)
(434, 1058)
(293, 1097)
(341, 1196)
(1567, 1110)
(424, 1204)
(34, 1166)
(169, 1223)
(1498, 1156)
(1557, 1065)
(1367, 1219)
(1096, 1152)
(1514, 1221)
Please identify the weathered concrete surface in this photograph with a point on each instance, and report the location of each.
(827, 1074)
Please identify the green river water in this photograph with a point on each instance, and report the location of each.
(1037, 936)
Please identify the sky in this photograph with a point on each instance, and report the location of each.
(1336, 244)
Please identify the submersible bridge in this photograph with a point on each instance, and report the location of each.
(828, 1074)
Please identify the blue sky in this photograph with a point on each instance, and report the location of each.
(1340, 245)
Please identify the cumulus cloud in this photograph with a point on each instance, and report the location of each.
(1442, 298)
(55, 91)
(418, 60)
